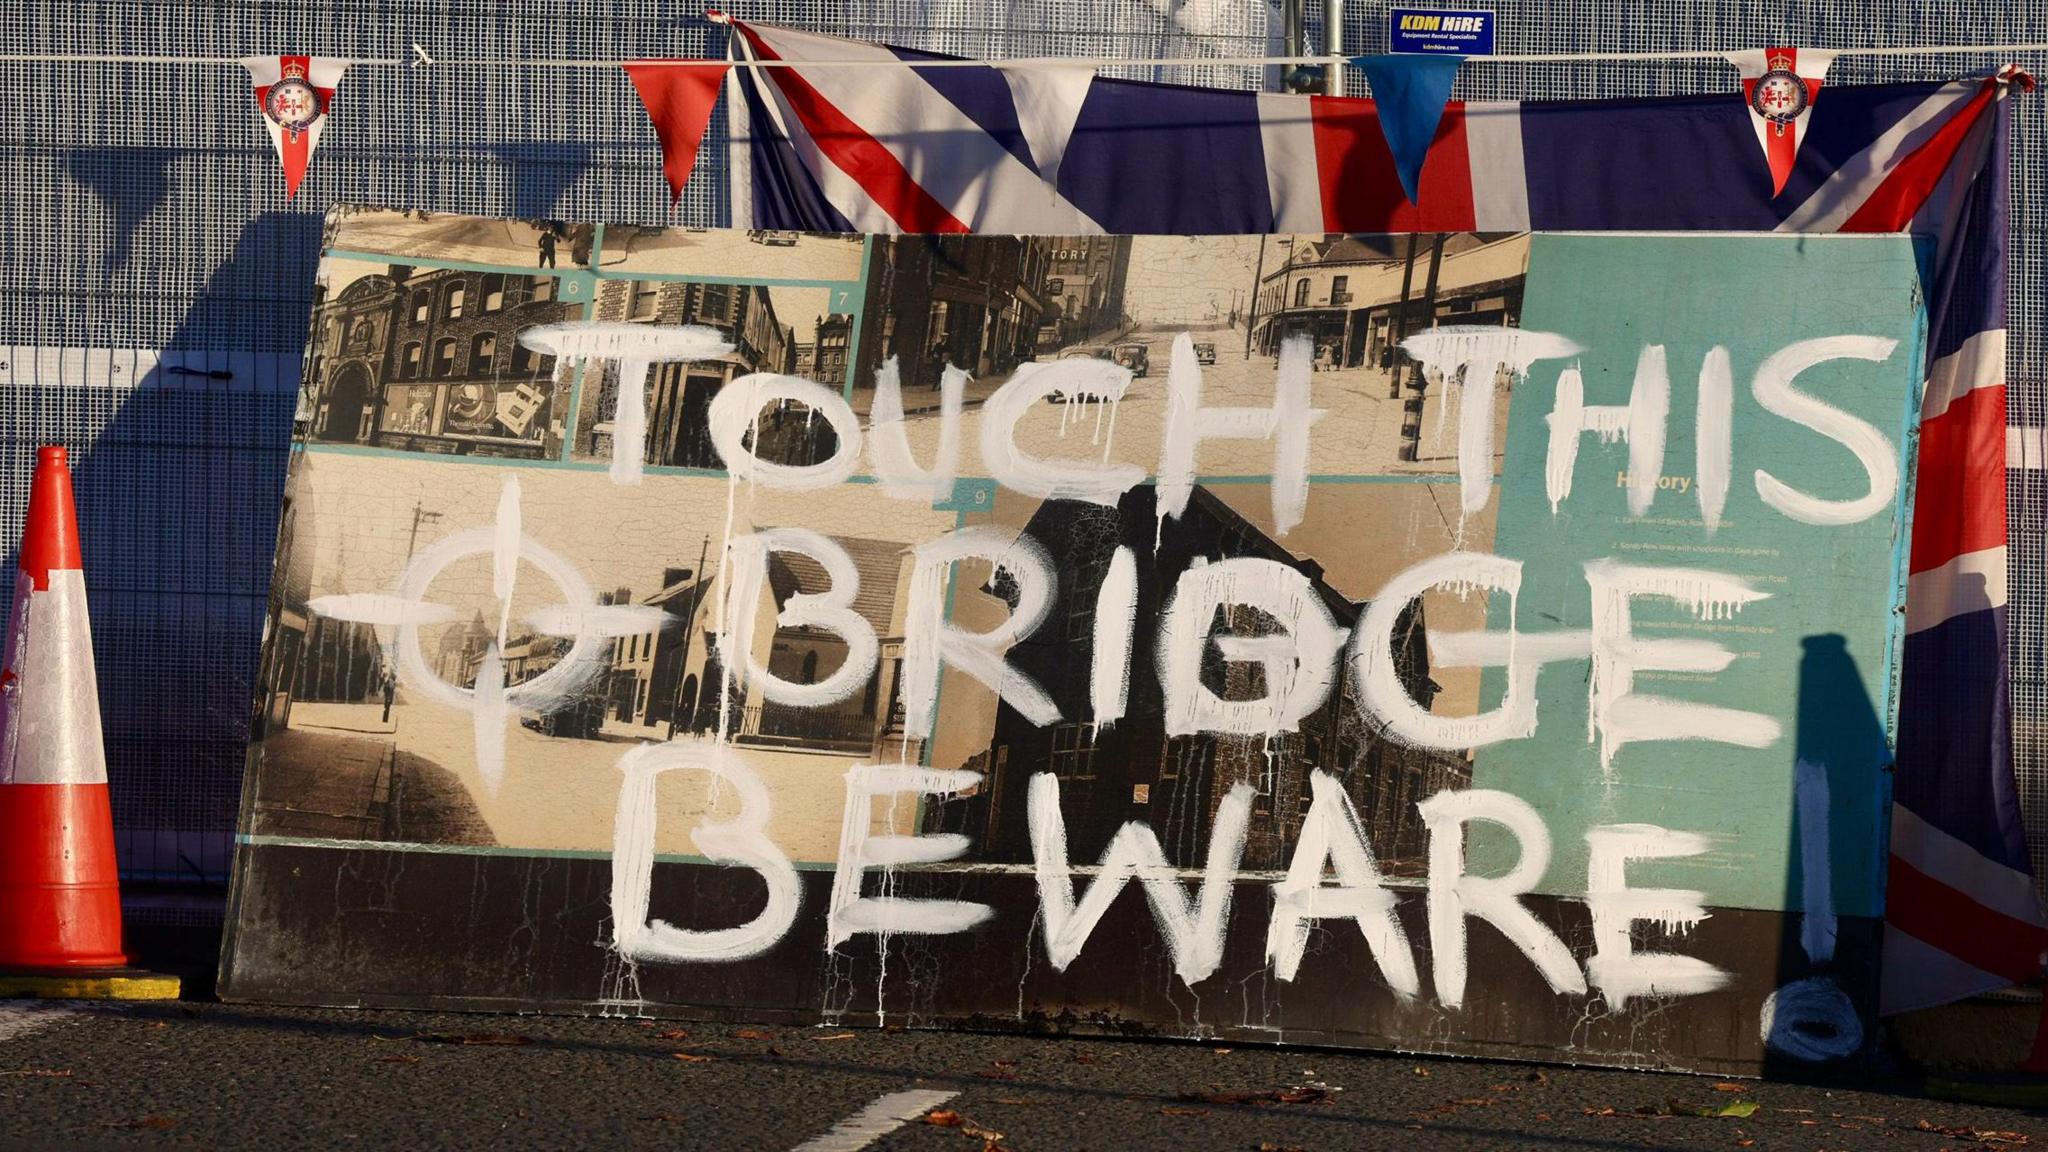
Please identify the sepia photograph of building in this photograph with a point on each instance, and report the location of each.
(1357, 297)
(768, 326)
(978, 303)
(429, 360)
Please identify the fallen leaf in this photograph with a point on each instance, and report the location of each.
(1421, 1071)
(692, 1057)
(678, 1034)
(944, 1118)
(750, 1034)
(1738, 1108)
(1269, 1146)
(990, 1138)
(1172, 1111)
(1735, 1108)
(1543, 1115)
(1745, 1143)
(1311, 1094)
(1726, 1087)
(398, 1058)
(1223, 1051)
(1083, 1058)
(481, 1039)
(835, 1036)
(1601, 1112)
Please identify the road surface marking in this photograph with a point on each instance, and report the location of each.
(876, 1121)
(20, 1020)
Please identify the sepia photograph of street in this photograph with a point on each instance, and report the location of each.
(421, 235)
(357, 745)
(993, 305)
(633, 250)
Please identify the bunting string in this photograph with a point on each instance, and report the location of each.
(422, 59)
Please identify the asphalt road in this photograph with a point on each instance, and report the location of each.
(221, 1076)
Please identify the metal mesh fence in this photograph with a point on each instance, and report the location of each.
(144, 218)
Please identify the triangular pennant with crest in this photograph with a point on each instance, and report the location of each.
(294, 94)
(1780, 86)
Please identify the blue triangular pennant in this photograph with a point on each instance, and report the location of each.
(1410, 92)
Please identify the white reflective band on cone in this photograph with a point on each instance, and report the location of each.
(49, 699)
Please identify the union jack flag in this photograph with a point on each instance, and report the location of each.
(1066, 152)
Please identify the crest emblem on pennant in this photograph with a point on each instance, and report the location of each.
(292, 103)
(1779, 95)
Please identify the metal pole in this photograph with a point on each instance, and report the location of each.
(1411, 408)
(1333, 44)
(1251, 318)
(1400, 327)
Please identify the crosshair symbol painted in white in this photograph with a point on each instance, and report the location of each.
(492, 703)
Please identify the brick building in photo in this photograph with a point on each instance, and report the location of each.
(1356, 297)
(971, 302)
(429, 360)
(1084, 289)
(679, 394)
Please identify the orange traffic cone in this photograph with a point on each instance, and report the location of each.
(60, 897)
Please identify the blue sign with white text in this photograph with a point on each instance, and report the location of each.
(1464, 31)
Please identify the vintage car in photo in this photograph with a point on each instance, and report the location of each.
(1134, 356)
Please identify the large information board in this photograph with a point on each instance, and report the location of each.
(1474, 643)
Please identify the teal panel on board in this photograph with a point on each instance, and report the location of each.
(1817, 657)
